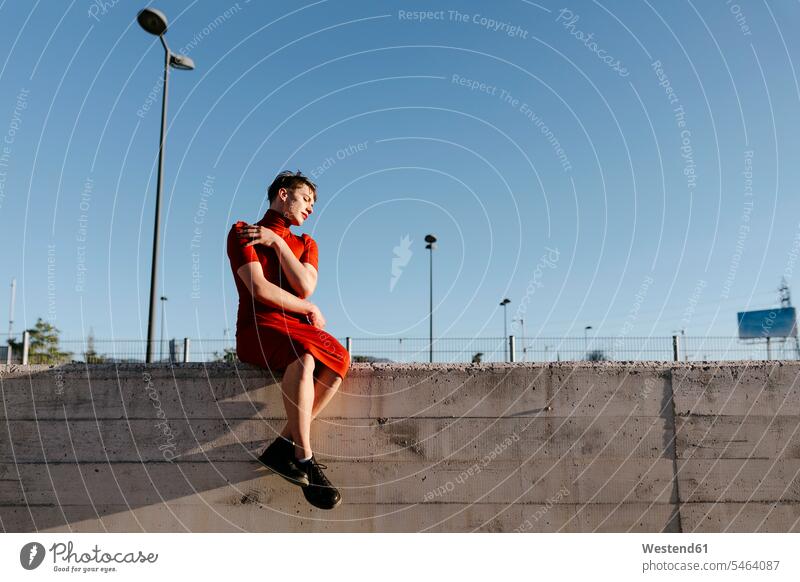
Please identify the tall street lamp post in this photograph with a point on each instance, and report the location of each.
(504, 303)
(431, 240)
(155, 22)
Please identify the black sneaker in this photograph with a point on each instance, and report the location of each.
(279, 456)
(319, 492)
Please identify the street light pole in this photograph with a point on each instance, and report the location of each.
(151, 321)
(431, 240)
(505, 302)
(155, 22)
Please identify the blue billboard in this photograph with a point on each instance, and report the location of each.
(778, 322)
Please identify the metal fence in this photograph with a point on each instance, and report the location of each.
(444, 350)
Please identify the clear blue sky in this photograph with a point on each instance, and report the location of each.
(506, 129)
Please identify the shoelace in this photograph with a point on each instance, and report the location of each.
(319, 476)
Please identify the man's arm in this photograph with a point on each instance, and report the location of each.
(301, 276)
(268, 293)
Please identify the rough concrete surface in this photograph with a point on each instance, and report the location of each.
(569, 447)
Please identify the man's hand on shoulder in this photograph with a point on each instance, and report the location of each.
(256, 235)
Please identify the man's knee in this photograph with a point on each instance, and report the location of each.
(305, 362)
(328, 378)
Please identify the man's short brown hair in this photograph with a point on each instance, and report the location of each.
(290, 181)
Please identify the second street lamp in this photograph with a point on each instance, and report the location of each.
(504, 303)
(155, 22)
(431, 240)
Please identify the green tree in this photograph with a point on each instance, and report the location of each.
(368, 359)
(228, 356)
(43, 345)
(597, 356)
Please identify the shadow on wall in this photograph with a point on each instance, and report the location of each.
(81, 448)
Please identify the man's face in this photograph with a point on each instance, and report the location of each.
(299, 204)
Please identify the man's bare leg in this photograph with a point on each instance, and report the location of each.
(304, 398)
(297, 388)
(325, 387)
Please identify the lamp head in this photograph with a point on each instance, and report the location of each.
(153, 21)
(181, 62)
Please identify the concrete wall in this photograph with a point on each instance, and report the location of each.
(492, 447)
